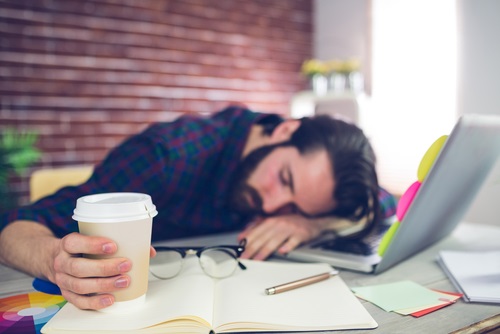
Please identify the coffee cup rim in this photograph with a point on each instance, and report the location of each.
(114, 207)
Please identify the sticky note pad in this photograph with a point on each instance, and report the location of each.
(429, 157)
(406, 199)
(445, 299)
(387, 238)
(397, 295)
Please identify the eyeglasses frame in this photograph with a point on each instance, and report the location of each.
(239, 249)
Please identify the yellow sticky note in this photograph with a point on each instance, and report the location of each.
(429, 157)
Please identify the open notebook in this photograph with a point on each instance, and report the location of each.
(193, 302)
(464, 162)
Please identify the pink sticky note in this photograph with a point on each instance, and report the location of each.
(448, 301)
(406, 200)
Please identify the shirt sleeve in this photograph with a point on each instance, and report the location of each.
(387, 203)
(132, 166)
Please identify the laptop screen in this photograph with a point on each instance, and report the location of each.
(466, 159)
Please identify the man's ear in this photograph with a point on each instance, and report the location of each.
(284, 130)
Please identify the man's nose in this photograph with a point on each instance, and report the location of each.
(273, 203)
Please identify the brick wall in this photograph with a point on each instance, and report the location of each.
(86, 74)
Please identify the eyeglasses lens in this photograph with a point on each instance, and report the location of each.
(219, 262)
(166, 264)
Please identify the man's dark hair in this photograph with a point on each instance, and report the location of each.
(353, 160)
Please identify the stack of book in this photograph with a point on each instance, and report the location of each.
(475, 274)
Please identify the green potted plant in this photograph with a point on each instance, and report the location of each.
(17, 153)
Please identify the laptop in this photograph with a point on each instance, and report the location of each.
(464, 162)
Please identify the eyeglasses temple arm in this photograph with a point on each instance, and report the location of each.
(242, 266)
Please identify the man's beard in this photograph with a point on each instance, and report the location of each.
(240, 191)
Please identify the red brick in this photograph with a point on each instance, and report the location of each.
(87, 74)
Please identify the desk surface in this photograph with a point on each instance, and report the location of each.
(422, 268)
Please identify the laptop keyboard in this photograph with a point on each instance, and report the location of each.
(357, 247)
(366, 246)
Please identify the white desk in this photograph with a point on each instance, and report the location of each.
(458, 318)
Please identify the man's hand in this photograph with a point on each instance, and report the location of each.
(280, 233)
(87, 282)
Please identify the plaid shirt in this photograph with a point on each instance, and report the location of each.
(184, 165)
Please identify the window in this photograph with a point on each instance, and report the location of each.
(413, 84)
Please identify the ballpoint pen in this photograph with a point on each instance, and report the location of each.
(300, 283)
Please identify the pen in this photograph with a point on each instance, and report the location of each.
(300, 283)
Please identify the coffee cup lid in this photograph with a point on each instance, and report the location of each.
(114, 207)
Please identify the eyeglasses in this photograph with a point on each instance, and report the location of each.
(216, 261)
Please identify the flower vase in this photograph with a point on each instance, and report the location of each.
(319, 84)
(355, 82)
(337, 82)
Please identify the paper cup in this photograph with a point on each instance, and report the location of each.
(125, 218)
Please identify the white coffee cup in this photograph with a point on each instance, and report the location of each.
(125, 218)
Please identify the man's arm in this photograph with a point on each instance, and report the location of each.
(23, 241)
(284, 233)
(38, 239)
(32, 248)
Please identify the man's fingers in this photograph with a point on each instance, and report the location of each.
(86, 281)
(252, 248)
(289, 245)
(263, 241)
(248, 230)
(254, 242)
(83, 286)
(83, 267)
(275, 239)
(276, 234)
(95, 302)
(76, 243)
